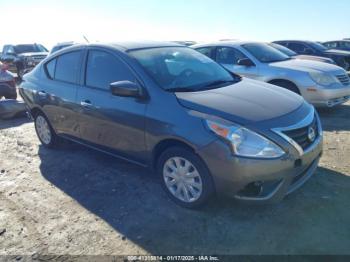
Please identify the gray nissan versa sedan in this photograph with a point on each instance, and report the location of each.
(168, 107)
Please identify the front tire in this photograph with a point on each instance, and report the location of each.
(184, 177)
(44, 131)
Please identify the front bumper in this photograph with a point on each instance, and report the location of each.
(239, 177)
(328, 97)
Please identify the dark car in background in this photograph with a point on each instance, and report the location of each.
(293, 54)
(176, 111)
(7, 83)
(341, 58)
(22, 58)
(339, 45)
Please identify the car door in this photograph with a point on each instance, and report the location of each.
(57, 92)
(229, 57)
(112, 123)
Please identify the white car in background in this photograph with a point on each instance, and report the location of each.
(319, 83)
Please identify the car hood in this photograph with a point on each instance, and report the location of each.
(337, 52)
(314, 58)
(34, 54)
(307, 66)
(244, 102)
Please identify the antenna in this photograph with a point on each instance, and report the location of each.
(87, 40)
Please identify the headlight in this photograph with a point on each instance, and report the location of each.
(322, 78)
(246, 142)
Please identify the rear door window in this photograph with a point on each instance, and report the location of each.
(68, 67)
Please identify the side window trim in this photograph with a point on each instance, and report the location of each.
(47, 71)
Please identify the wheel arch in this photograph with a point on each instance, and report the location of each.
(162, 145)
(36, 110)
(278, 81)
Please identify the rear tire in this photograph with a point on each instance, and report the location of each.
(185, 177)
(287, 85)
(44, 131)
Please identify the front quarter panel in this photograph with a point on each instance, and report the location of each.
(166, 119)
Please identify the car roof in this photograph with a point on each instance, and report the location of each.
(227, 43)
(296, 41)
(22, 44)
(128, 46)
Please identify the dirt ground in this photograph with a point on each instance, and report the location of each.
(77, 201)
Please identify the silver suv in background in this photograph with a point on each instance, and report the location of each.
(319, 83)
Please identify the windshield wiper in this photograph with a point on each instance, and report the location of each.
(206, 86)
(181, 89)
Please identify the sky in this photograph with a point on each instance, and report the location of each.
(48, 22)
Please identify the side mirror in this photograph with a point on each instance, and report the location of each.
(125, 89)
(245, 62)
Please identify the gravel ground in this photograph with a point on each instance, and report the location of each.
(77, 201)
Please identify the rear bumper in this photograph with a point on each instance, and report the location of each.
(256, 180)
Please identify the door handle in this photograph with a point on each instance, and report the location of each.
(86, 103)
(42, 93)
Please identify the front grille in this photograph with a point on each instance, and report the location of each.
(38, 58)
(344, 79)
(301, 135)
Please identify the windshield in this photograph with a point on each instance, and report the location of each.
(182, 69)
(265, 53)
(19, 49)
(284, 50)
(318, 46)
